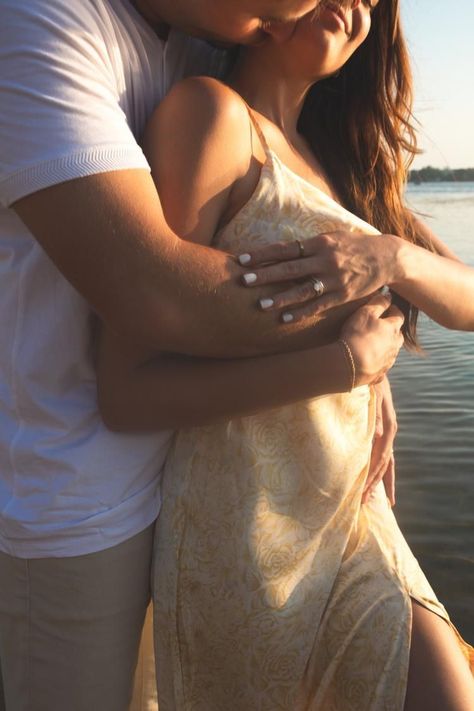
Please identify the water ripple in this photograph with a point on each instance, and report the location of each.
(434, 397)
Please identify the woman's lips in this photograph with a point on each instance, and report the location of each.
(339, 15)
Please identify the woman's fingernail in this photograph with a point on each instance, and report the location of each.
(244, 259)
(250, 278)
(266, 303)
(287, 318)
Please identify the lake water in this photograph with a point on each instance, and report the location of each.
(434, 397)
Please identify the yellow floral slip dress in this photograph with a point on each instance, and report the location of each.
(274, 588)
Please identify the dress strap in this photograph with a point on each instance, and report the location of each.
(258, 129)
(255, 123)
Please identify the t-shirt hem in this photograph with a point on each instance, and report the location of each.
(73, 545)
(92, 161)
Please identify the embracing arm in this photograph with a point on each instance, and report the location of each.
(178, 391)
(136, 394)
(108, 236)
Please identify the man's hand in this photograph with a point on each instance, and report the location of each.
(382, 463)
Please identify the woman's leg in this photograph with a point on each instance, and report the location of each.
(439, 678)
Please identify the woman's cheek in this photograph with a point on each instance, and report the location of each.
(361, 27)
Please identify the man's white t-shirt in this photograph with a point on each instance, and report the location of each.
(78, 80)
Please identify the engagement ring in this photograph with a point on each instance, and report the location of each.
(318, 286)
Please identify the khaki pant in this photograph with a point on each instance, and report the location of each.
(70, 630)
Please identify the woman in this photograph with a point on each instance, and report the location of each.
(275, 588)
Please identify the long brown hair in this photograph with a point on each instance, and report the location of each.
(360, 127)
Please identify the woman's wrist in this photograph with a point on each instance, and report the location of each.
(350, 363)
(334, 375)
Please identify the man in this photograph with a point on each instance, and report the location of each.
(81, 229)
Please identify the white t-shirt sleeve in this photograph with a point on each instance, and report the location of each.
(60, 112)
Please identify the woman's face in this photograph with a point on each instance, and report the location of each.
(323, 42)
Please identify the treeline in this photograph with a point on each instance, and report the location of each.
(441, 175)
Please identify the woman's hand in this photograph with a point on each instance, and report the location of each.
(382, 461)
(349, 265)
(373, 334)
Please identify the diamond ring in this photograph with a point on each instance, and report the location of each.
(318, 286)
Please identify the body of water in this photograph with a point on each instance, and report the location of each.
(434, 398)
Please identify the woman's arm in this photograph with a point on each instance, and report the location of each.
(352, 266)
(439, 284)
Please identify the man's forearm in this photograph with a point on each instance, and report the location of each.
(107, 235)
(210, 314)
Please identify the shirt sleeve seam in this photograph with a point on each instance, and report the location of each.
(90, 161)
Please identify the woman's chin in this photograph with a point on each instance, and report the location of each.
(322, 73)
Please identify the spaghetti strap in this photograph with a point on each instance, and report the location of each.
(258, 129)
(255, 122)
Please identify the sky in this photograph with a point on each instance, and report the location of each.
(440, 36)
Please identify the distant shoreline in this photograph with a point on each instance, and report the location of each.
(441, 175)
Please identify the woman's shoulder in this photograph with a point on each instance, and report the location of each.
(202, 119)
(207, 93)
(205, 105)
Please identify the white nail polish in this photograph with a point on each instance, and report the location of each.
(287, 318)
(250, 278)
(244, 259)
(266, 303)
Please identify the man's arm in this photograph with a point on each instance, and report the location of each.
(108, 235)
